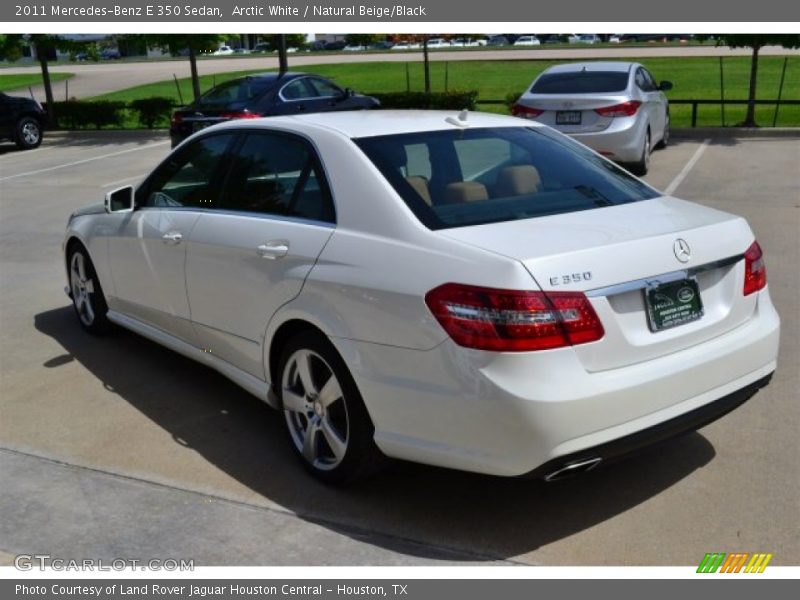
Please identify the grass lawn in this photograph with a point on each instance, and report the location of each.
(693, 78)
(18, 82)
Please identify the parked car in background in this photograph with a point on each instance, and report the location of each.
(22, 120)
(615, 108)
(354, 48)
(222, 51)
(110, 54)
(335, 45)
(435, 43)
(469, 291)
(588, 38)
(241, 51)
(261, 48)
(382, 45)
(263, 95)
(527, 40)
(498, 40)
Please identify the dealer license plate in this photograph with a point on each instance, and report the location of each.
(568, 117)
(672, 304)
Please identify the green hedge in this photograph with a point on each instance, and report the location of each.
(96, 114)
(456, 100)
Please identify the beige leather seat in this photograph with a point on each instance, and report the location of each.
(465, 191)
(518, 180)
(420, 185)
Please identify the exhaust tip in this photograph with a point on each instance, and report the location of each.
(573, 468)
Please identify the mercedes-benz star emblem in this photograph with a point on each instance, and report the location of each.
(682, 251)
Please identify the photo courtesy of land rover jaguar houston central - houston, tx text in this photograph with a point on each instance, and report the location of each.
(472, 291)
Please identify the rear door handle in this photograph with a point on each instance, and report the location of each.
(172, 237)
(273, 249)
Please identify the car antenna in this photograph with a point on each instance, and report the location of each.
(460, 120)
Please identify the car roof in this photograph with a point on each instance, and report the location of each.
(619, 66)
(369, 123)
(270, 76)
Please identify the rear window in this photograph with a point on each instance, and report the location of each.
(581, 82)
(476, 176)
(237, 90)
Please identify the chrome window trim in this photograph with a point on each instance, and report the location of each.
(243, 213)
(645, 282)
(309, 98)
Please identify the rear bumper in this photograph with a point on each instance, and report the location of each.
(632, 443)
(622, 141)
(510, 414)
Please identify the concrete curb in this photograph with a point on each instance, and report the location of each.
(736, 132)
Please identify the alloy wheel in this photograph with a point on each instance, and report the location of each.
(82, 287)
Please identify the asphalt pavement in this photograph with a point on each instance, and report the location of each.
(116, 447)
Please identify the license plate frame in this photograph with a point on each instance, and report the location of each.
(569, 117)
(673, 304)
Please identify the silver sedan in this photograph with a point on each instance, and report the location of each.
(615, 108)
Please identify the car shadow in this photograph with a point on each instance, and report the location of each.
(418, 510)
(88, 138)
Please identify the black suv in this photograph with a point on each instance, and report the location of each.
(22, 120)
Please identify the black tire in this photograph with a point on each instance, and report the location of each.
(28, 133)
(86, 293)
(641, 166)
(664, 142)
(347, 416)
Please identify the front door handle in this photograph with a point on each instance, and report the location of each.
(173, 237)
(273, 249)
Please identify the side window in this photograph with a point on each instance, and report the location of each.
(299, 89)
(187, 179)
(651, 81)
(418, 161)
(643, 82)
(278, 175)
(325, 89)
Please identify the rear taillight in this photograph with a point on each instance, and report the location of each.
(241, 114)
(177, 118)
(626, 109)
(755, 271)
(512, 320)
(525, 112)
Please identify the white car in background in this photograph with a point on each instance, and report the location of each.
(435, 43)
(223, 51)
(527, 40)
(471, 291)
(615, 108)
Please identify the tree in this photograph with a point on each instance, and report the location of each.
(756, 42)
(282, 41)
(192, 44)
(426, 63)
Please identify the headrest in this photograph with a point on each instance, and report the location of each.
(518, 181)
(465, 191)
(395, 154)
(420, 185)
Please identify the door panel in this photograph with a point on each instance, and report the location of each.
(147, 251)
(236, 284)
(252, 255)
(148, 269)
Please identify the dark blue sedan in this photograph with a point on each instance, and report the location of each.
(264, 95)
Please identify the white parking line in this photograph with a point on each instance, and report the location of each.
(85, 160)
(689, 166)
(118, 181)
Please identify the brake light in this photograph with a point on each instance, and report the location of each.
(525, 112)
(755, 271)
(626, 109)
(241, 114)
(513, 320)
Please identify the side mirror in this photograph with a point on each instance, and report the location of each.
(665, 86)
(120, 200)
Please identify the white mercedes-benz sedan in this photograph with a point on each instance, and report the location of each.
(465, 290)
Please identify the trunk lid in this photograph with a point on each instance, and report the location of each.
(562, 108)
(612, 254)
